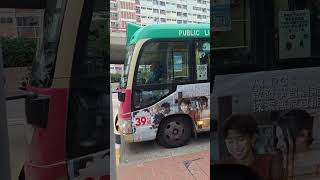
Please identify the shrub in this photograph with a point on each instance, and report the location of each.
(18, 52)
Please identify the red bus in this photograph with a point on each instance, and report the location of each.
(67, 108)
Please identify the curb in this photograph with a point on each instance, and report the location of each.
(117, 148)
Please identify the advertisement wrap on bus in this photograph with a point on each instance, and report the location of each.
(266, 97)
(165, 91)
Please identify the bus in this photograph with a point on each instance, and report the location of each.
(67, 101)
(165, 89)
(266, 87)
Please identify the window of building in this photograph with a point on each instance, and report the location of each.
(162, 12)
(113, 5)
(138, 10)
(3, 20)
(196, 8)
(184, 6)
(9, 20)
(179, 21)
(114, 24)
(162, 3)
(27, 21)
(114, 16)
(155, 10)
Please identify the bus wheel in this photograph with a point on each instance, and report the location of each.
(174, 132)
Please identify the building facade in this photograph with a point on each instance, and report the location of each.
(116, 68)
(26, 23)
(144, 12)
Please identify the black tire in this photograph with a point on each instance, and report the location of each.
(21, 175)
(174, 131)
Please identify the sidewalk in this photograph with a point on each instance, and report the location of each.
(195, 166)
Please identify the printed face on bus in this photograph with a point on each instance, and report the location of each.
(281, 143)
(155, 109)
(204, 105)
(303, 140)
(240, 146)
(166, 110)
(185, 108)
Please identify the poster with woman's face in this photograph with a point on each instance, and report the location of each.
(286, 112)
(194, 100)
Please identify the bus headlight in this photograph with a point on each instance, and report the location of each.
(125, 126)
(200, 122)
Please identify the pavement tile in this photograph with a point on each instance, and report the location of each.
(193, 166)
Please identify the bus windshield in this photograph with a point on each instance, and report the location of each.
(43, 66)
(124, 77)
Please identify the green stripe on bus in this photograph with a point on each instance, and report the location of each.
(167, 31)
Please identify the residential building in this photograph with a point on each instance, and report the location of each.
(144, 12)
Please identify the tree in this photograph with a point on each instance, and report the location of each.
(115, 78)
(18, 52)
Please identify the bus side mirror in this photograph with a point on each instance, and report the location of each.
(37, 109)
(121, 96)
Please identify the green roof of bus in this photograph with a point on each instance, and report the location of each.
(136, 33)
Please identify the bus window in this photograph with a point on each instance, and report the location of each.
(89, 98)
(202, 55)
(297, 27)
(161, 63)
(232, 48)
(43, 67)
(124, 76)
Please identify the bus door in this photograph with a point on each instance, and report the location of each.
(88, 126)
(69, 109)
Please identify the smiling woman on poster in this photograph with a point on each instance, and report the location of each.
(294, 133)
(240, 134)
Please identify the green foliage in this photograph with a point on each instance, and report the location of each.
(115, 78)
(144, 75)
(18, 52)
